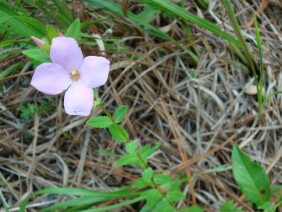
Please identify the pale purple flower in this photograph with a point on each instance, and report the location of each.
(69, 71)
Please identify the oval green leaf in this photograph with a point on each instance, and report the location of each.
(120, 113)
(250, 177)
(74, 30)
(100, 122)
(118, 133)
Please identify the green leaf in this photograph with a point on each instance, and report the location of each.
(164, 206)
(45, 49)
(127, 160)
(147, 150)
(118, 132)
(152, 196)
(37, 55)
(140, 183)
(162, 179)
(29, 111)
(131, 147)
(175, 195)
(120, 113)
(51, 32)
(279, 201)
(74, 30)
(229, 206)
(195, 208)
(147, 174)
(100, 122)
(276, 189)
(268, 206)
(250, 177)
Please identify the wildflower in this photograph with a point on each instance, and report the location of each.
(69, 71)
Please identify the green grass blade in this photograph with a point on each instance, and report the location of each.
(230, 12)
(4, 203)
(124, 192)
(260, 82)
(176, 10)
(87, 197)
(64, 10)
(269, 96)
(9, 70)
(2, 178)
(20, 24)
(24, 204)
(12, 41)
(114, 206)
(233, 19)
(117, 10)
(80, 202)
(62, 19)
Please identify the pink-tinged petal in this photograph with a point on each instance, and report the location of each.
(66, 52)
(79, 99)
(50, 78)
(94, 71)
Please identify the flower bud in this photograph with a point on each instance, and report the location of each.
(60, 34)
(37, 41)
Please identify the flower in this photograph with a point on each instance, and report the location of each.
(69, 71)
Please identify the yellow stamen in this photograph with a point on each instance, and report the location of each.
(74, 72)
(75, 75)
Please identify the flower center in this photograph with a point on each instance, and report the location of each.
(75, 75)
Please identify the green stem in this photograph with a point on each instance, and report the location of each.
(243, 42)
(155, 186)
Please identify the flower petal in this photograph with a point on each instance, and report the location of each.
(50, 78)
(66, 52)
(94, 71)
(79, 99)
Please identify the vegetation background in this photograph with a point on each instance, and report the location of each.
(189, 84)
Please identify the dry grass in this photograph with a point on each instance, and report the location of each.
(196, 111)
